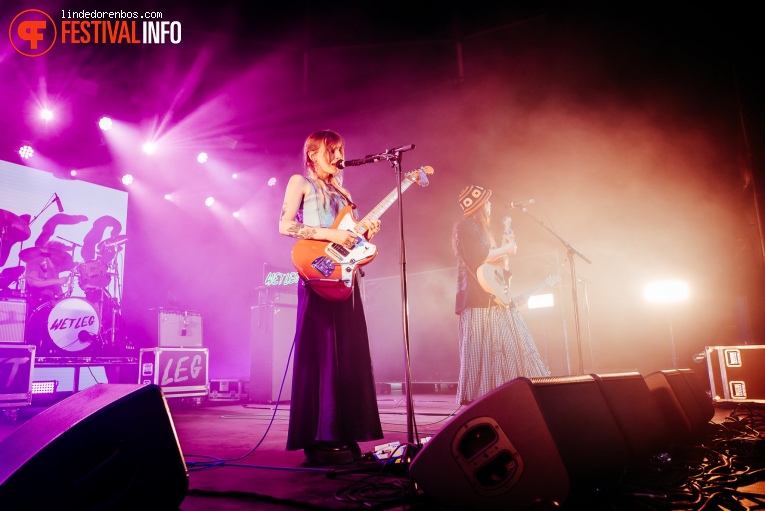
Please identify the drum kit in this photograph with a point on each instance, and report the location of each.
(60, 323)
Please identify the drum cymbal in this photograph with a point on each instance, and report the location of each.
(113, 242)
(10, 275)
(13, 227)
(60, 259)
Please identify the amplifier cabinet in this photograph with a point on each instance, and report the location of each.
(180, 372)
(13, 314)
(272, 331)
(17, 363)
(736, 373)
(179, 329)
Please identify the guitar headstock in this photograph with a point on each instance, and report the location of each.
(420, 174)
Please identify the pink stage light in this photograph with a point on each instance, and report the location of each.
(149, 147)
(202, 157)
(272, 181)
(26, 151)
(105, 123)
(127, 179)
(46, 114)
(73, 173)
(209, 201)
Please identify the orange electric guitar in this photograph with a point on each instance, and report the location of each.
(330, 268)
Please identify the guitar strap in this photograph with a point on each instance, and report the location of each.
(346, 197)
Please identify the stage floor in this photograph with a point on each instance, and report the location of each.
(236, 458)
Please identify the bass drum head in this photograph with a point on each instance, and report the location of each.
(71, 325)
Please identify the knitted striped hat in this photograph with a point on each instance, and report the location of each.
(472, 198)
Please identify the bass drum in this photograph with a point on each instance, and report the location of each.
(68, 326)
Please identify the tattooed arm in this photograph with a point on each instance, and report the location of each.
(297, 187)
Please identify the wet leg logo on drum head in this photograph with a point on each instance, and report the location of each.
(73, 324)
(32, 33)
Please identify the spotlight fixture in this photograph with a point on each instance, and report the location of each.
(73, 173)
(149, 147)
(209, 201)
(234, 176)
(127, 179)
(202, 157)
(26, 151)
(272, 181)
(235, 214)
(105, 123)
(541, 301)
(668, 291)
(168, 197)
(46, 114)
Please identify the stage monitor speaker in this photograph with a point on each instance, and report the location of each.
(108, 447)
(496, 454)
(580, 421)
(638, 416)
(700, 394)
(272, 332)
(683, 402)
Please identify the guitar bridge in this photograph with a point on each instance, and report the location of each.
(324, 265)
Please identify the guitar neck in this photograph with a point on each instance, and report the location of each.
(383, 206)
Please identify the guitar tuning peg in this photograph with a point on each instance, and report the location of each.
(423, 177)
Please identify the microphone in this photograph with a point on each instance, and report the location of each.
(400, 149)
(372, 158)
(85, 336)
(57, 200)
(518, 204)
(69, 241)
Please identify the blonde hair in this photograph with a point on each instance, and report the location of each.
(332, 141)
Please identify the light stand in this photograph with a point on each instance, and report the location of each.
(571, 253)
(672, 338)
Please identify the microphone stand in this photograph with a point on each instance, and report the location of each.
(407, 455)
(394, 157)
(571, 253)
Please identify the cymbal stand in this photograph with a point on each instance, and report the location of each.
(116, 295)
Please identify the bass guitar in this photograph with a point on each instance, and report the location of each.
(330, 268)
(492, 281)
(491, 275)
